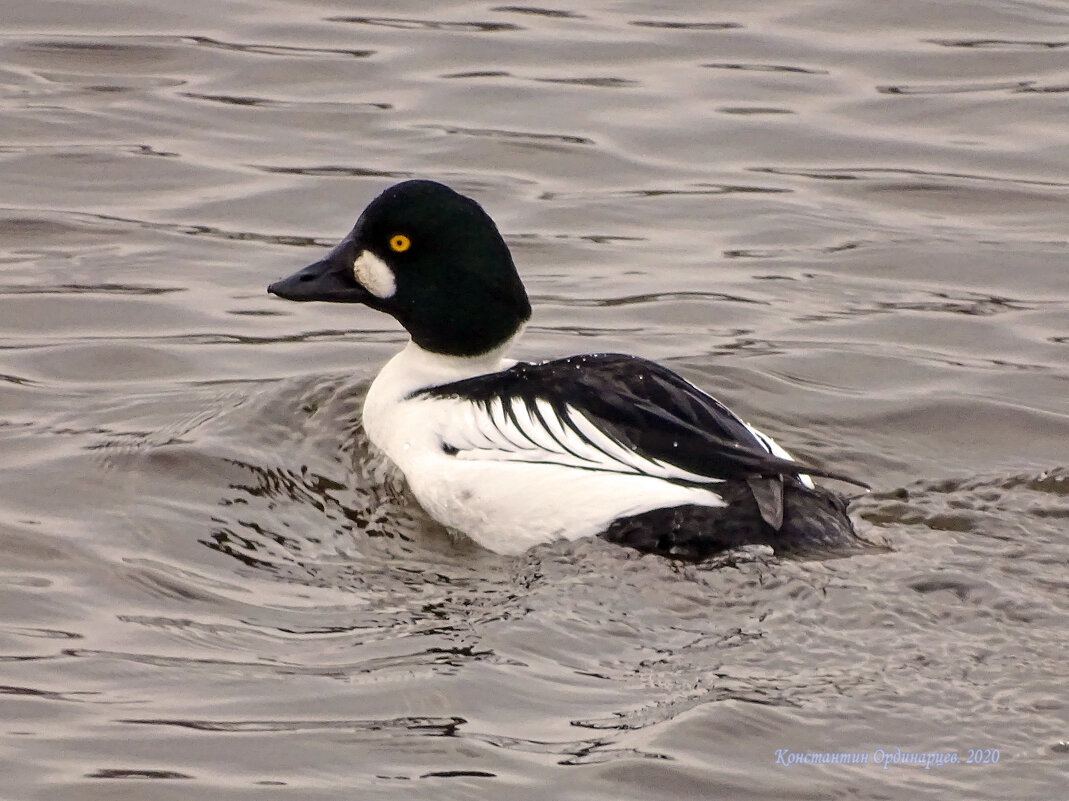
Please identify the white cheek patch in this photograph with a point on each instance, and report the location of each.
(374, 275)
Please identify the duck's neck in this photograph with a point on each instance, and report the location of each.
(416, 368)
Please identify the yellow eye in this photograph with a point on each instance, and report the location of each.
(400, 243)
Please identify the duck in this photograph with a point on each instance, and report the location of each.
(515, 454)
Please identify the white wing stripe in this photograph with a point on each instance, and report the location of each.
(634, 460)
(564, 436)
(512, 434)
(531, 428)
(600, 441)
(482, 423)
(518, 433)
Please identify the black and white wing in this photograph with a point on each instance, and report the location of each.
(608, 412)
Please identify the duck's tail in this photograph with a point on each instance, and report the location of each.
(814, 523)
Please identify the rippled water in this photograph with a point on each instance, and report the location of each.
(847, 219)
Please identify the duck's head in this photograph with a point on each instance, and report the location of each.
(434, 260)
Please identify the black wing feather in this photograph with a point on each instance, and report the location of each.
(643, 406)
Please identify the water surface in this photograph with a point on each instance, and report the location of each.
(847, 220)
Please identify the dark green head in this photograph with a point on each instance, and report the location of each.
(434, 260)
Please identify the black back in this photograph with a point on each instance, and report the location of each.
(641, 405)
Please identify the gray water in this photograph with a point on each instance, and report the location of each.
(848, 220)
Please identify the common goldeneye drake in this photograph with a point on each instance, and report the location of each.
(516, 454)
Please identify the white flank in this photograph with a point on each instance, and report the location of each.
(374, 275)
(516, 479)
